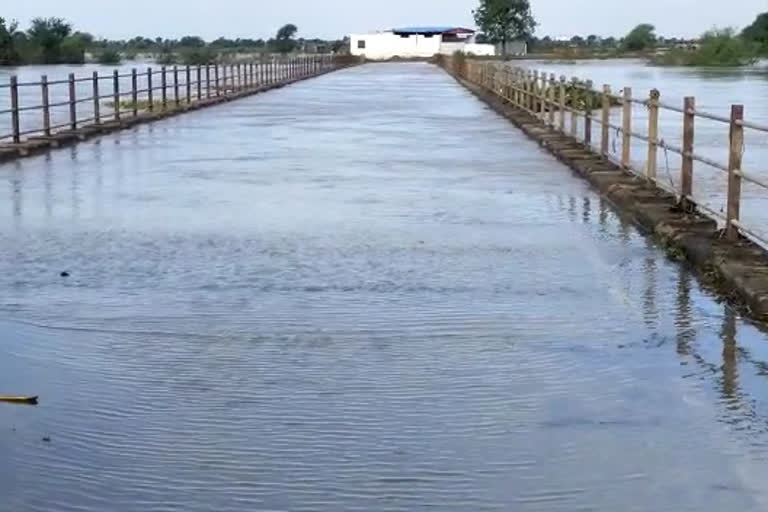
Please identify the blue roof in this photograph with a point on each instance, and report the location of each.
(422, 30)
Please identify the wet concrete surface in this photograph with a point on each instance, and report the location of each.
(362, 292)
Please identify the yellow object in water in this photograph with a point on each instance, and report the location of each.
(30, 400)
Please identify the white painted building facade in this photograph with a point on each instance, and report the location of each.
(417, 42)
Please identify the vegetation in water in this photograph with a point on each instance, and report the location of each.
(54, 41)
(109, 56)
(716, 48)
(47, 41)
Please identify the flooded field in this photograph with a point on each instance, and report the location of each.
(360, 292)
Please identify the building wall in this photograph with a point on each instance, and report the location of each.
(385, 45)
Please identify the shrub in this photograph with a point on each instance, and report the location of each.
(109, 56)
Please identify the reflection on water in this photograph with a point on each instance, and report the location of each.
(277, 304)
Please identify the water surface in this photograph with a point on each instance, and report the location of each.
(360, 292)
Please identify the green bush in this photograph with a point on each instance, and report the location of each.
(109, 56)
(198, 57)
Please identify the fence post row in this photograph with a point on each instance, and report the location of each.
(562, 103)
(72, 103)
(96, 106)
(734, 172)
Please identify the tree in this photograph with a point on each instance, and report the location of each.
(49, 35)
(505, 20)
(577, 41)
(8, 53)
(191, 42)
(592, 40)
(284, 41)
(640, 38)
(757, 32)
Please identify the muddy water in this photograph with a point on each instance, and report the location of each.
(361, 292)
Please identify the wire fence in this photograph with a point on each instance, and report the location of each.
(46, 108)
(624, 129)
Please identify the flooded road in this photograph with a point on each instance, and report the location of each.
(361, 292)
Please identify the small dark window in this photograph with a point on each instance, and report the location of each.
(405, 36)
(361, 44)
(428, 35)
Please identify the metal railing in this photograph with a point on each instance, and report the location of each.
(557, 102)
(45, 108)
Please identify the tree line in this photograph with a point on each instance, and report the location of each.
(507, 20)
(55, 41)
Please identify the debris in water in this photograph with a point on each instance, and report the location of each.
(46, 439)
(28, 400)
(64, 274)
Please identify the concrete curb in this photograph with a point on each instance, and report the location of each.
(736, 270)
(36, 145)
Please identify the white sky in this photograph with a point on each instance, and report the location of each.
(335, 18)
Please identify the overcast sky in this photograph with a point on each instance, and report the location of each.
(335, 18)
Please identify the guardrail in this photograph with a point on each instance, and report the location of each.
(574, 108)
(45, 108)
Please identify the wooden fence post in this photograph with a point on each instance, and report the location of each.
(574, 108)
(15, 120)
(72, 103)
(207, 80)
(653, 133)
(588, 113)
(562, 103)
(536, 103)
(188, 76)
(150, 92)
(176, 98)
(134, 92)
(224, 78)
(116, 94)
(199, 83)
(686, 177)
(96, 105)
(605, 120)
(626, 128)
(734, 172)
(216, 78)
(551, 95)
(164, 85)
(46, 105)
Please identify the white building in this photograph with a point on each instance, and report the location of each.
(417, 42)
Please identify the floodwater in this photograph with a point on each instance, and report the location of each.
(715, 90)
(30, 89)
(361, 292)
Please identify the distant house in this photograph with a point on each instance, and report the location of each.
(417, 42)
